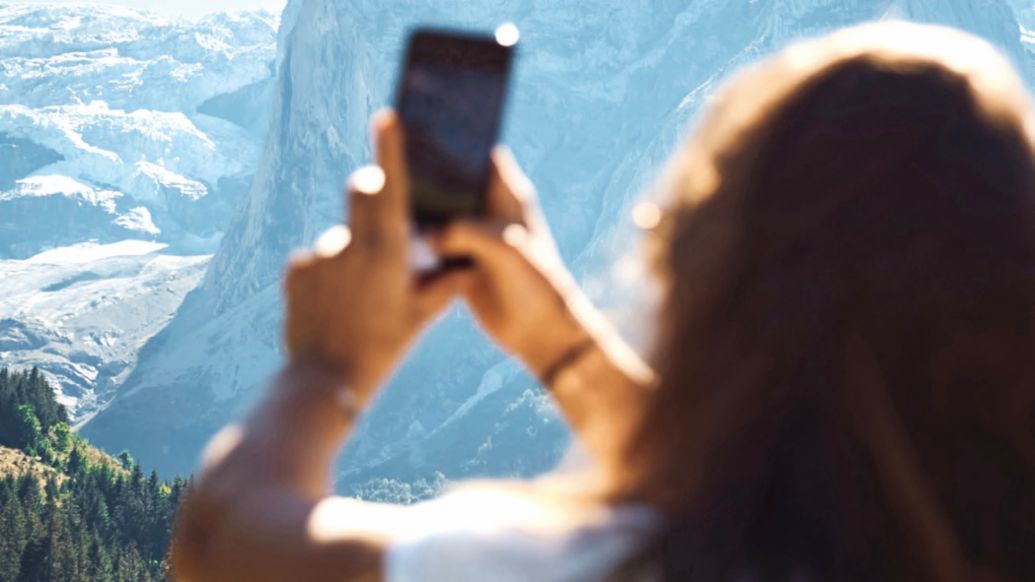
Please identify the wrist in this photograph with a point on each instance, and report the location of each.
(293, 437)
(319, 388)
(565, 361)
(555, 340)
(327, 371)
(583, 331)
(320, 370)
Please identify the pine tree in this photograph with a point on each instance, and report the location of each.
(76, 465)
(51, 490)
(28, 489)
(95, 508)
(59, 565)
(13, 531)
(26, 389)
(60, 436)
(26, 428)
(40, 396)
(101, 567)
(130, 566)
(33, 567)
(126, 460)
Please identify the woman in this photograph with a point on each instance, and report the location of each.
(843, 382)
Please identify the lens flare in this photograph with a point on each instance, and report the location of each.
(515, 235)
(646, 215)
(507, 34)
(333, 241)
(368, 180)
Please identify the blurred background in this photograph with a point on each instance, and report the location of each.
(161, 160)
(191, 8)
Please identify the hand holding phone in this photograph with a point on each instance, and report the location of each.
(450, 101)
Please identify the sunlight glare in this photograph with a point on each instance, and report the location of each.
(333, 241)
(507, 35)
(646, 215)
(368, 180)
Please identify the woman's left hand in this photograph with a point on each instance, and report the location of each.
(353, 305)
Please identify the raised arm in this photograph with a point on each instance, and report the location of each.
(523, 295)
(252, 514)
(260, 508)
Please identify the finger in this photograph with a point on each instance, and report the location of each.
(365, 187)
(378, 194)
(491, 245)
(390, 147)
(511, 196)
(300, 263)
(301, 258)
(434, 294)
(333, 241)
(514, 194)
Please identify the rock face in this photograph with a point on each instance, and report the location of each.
(126, 140)
(603, 92)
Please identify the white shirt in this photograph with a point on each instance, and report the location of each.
(479, 533)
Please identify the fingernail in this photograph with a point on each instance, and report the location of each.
(333, 241)
(299, 256)
(646, 215)
(381, 118)
(369, 180)
(515, 235)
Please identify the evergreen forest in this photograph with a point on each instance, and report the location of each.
(69, 512)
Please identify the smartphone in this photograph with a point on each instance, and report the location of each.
(450, 101)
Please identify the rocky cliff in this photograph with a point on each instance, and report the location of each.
(603, 92)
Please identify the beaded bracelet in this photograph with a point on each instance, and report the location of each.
(326, 378)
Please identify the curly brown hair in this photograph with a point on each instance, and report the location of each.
(847, 338)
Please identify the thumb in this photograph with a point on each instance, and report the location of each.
(511, 196)
(490, 245)
(434, 294)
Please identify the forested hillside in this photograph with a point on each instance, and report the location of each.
(67, 510)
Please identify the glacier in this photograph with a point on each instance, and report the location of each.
(603, 93)
(126, 141)
(83, 311)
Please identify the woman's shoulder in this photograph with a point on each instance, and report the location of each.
(516, 532)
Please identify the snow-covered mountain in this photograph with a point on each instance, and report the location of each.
(604, 89)
(126, 140)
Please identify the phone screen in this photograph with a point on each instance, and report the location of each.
(450, 101)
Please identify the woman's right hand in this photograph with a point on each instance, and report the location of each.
(526, 299)
(521, 292)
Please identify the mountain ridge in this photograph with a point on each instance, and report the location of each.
(603, 93)
(108, 159)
